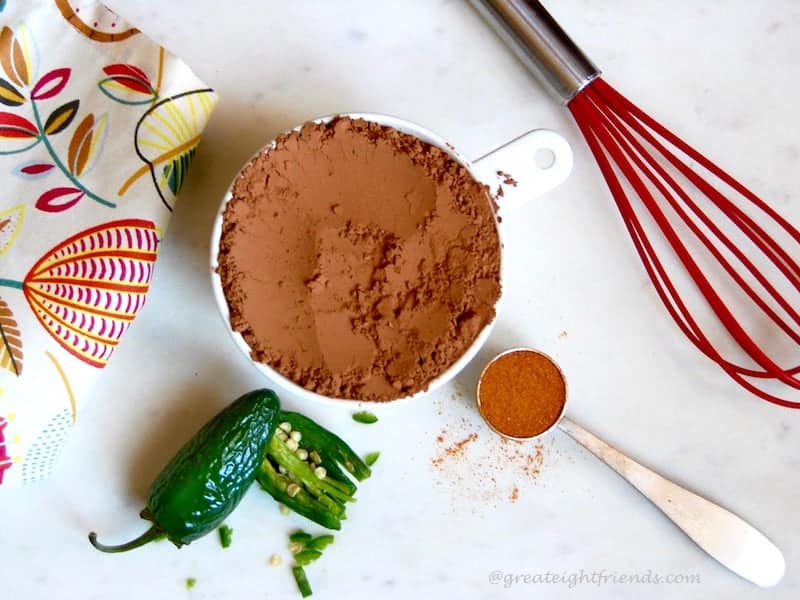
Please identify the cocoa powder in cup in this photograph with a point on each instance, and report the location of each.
(357, 260)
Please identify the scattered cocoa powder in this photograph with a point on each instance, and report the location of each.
(507, 179)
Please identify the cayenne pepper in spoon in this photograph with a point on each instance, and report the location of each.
(522, 394)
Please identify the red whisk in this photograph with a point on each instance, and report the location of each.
(662, 185)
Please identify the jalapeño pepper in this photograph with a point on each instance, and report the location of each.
(208, 477)
(304, 469)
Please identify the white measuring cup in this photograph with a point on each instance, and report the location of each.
(521, 158)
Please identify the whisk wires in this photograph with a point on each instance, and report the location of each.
(632, 148)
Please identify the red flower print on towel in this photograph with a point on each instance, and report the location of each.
(87, 290)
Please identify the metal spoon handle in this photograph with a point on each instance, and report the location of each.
(733, 542)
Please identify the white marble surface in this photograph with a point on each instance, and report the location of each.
(723, 72)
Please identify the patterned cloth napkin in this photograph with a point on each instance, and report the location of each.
(98, 127)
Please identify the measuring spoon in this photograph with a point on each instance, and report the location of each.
(727, 538)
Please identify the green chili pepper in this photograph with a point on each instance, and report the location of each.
(225, 535)
(330, 447)
(365, 417)
(308, 478)
(303, 503)
(207, 478)
(371, 458)
(319, 543)
(302, 581)
(306, 557)
(300, 537)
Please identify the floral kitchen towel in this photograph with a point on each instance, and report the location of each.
(98, 128)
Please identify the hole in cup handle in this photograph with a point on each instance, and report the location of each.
(538, 161)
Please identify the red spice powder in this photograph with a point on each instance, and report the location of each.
(482, 469)
(521, 393)
(519, 455)
(454, 450)
(505, 458)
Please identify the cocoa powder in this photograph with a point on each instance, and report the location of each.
(358, 261)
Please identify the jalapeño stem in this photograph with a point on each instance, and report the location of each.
(150, 535)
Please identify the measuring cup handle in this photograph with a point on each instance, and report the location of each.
(526, 167)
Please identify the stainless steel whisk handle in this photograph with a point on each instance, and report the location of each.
(541, 44)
